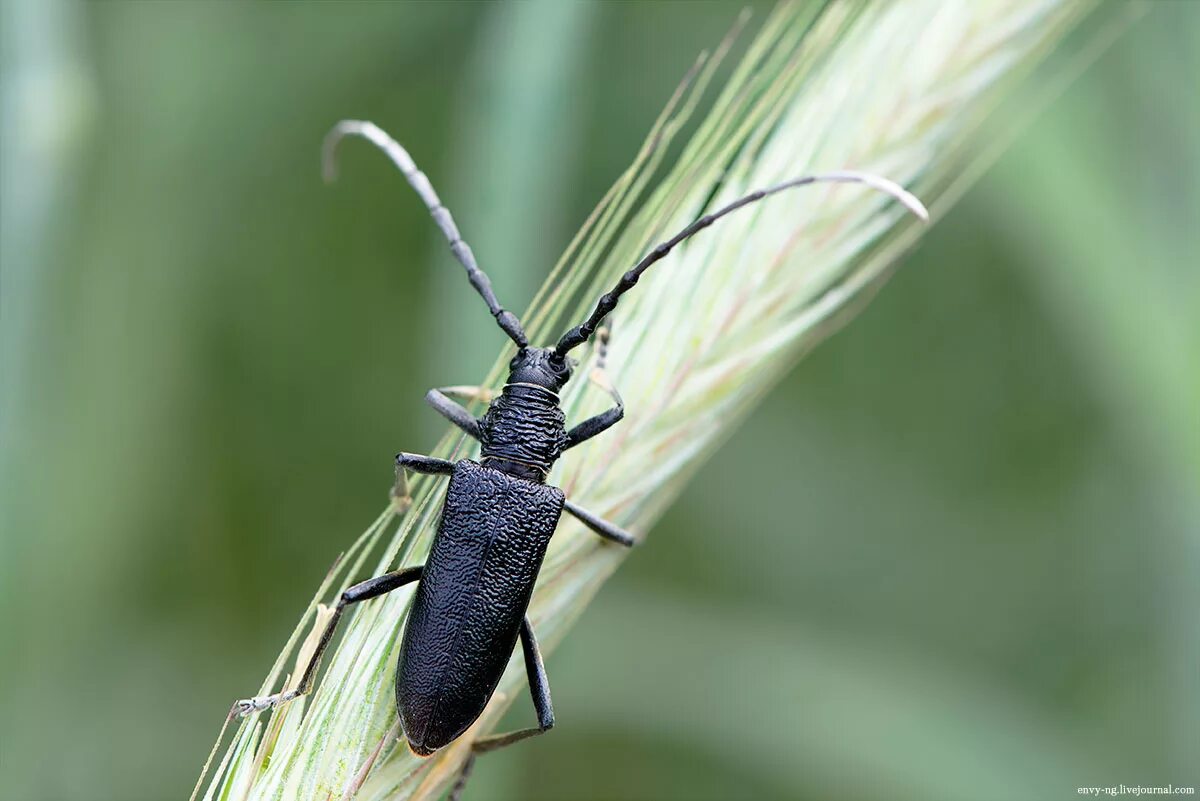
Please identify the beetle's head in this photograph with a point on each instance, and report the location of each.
(541, 366)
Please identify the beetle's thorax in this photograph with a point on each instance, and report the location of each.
(524, 430)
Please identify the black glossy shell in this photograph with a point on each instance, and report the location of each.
(473, 594)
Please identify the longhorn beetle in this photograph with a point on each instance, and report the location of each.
(499, 512)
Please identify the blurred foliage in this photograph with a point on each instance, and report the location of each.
(965, 530)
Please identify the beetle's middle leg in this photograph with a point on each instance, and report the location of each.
(363, 591)
(428, 465)
(610, 531)
(539, 688)
(442, 400)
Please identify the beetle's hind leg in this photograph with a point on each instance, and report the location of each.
(442, 400)
(363, 591)
(428, 465)
(539, 688)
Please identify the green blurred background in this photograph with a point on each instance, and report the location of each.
(958, 548)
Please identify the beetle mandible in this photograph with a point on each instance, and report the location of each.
(499, 513)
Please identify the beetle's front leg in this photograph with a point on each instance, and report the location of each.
(445, 405)
(606, 419)
(596, 425)
(428, 465)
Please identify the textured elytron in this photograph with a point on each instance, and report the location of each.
(471, 600)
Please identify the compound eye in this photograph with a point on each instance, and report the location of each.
(517, 360)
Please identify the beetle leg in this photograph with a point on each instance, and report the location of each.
(363, 591)
(539, 688)
(596, 425)
(599, 376)
(440, 399)
(610, 531)
(464, 773)
(428, 465)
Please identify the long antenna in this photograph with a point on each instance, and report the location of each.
(608, 301)
(507, 321)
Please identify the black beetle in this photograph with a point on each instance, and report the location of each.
(499, 513)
